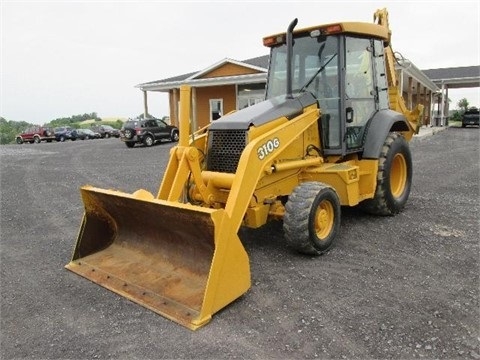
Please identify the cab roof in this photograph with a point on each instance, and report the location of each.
(356, 28)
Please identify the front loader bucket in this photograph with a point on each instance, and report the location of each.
(175, 259)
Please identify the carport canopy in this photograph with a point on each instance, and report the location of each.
(453, 78)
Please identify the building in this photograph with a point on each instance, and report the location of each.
(220, 88)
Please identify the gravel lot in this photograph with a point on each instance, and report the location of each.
(392, 287)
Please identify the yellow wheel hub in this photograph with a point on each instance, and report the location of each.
(398, 175)
(324, 219)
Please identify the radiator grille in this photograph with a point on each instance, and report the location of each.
(224, 149)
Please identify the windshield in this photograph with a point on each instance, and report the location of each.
(314, 67)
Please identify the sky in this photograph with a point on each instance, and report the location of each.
(63, 58)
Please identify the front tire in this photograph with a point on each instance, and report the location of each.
(174, 136)
(19, 140)
(394, 178)
(312, 218)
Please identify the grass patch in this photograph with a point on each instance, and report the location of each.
(454, 123)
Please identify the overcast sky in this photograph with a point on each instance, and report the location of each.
(62, 58)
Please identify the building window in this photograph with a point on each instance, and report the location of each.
(216, 109)
(250, 94)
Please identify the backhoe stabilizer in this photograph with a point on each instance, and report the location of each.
(179, 260)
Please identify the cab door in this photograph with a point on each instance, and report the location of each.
(360, 93)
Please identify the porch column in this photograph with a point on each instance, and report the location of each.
(432, 108)
(174, 107)
(442, 108)
(426, 105)
(447, 107)
(145, 104)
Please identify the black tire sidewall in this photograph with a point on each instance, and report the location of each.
(129, 133)
(174, 136)
(299, 219)
(399, 146)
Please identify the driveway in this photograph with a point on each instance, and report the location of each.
(392, 287)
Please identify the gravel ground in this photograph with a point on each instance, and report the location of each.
(391, 288)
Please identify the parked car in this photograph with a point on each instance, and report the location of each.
(86, 134)
(105, 131)
(147, 132)
(65, 133)
(110, 131)
(98, 129)
(470, 117)
(35, 134)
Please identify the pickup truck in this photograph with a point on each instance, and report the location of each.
(470, 117)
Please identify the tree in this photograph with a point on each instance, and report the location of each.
(463, 104)
(142, 116)
(9, 129)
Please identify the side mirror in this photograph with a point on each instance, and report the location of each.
(349, 115)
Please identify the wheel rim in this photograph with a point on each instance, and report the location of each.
(398, 178)
(324, 219)
(149, 141)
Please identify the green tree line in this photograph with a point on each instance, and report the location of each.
(74, 119)
(9, 129)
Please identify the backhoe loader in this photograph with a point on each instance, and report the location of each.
(333, 131)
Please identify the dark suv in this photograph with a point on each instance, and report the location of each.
(65, 133)
(470, 117)
(35, 134)
(147, 132)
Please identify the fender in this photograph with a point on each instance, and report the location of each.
(382, 123)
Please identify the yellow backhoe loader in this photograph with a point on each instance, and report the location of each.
(333, 131)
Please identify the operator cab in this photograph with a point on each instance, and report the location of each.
(344, 71)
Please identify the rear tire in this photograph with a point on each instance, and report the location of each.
(19, 140)
(148, 140)
(36, 140)
(312, 218)
(394, 178)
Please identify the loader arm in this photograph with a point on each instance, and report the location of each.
(249, 171)
(397, 102)
(185, 166)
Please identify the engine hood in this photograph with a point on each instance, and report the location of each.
(264, 112)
